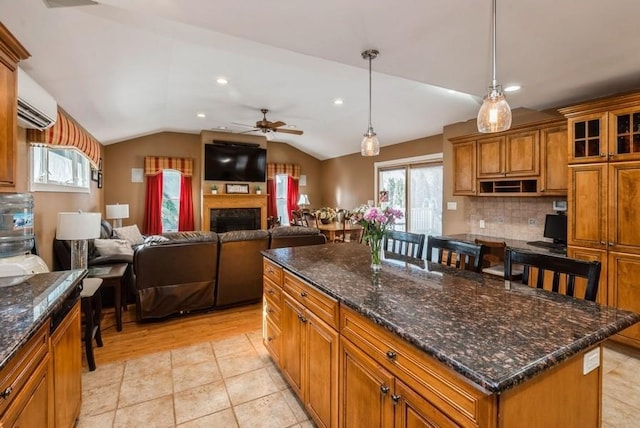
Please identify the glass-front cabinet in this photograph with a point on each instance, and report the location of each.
(625, 134)
(587, 136)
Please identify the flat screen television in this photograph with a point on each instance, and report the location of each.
(234, 162)
(555, 227)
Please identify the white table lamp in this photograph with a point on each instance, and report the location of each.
(77, 227)
(117, 212)
(303, 200)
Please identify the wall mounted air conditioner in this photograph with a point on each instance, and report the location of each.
(36, 107)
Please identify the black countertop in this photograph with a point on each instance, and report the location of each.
(513, 243)
(26, 303)
(495, 337)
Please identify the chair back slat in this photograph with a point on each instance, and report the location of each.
(467, 255)
(404, 243)
(563, 268)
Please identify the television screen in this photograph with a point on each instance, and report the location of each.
(555, 227)
(234, 162)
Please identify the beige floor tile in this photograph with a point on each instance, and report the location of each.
(104, 420)
(103, 375)
(271, 411)
(99, 400)
(148, 365)
(235, 364)
(617, 414)
(295, 405)
(622, 384)
(307, 424)
(249, 386)
(612, 359)
(232, 345)
(156, 413)
(223, 419)
(255, 337)
(200, 401)
(136, 389)
(187, 377)
(276, 376)
(192, 354)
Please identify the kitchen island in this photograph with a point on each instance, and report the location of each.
(421, 343)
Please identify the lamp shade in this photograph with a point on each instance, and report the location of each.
(303, 199)
(118, 211)
(78, 225)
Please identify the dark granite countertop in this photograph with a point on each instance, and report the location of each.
(26, 303)
(495, 337)
(513, 243)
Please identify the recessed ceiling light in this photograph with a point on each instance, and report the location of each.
(512, 88)
(222, 127)
(338, 101)
(201, 115)
(451, 91)
(222, 81)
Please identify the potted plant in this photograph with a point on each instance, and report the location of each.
(326, 215)
(214, 189)
(258, 190)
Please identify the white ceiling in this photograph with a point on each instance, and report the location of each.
(125, 68)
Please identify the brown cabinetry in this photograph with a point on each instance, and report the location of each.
(604, 152)
(524, 161)
(11, 52)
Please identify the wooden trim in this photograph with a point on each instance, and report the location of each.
(534, 126)
(602, 105)
(233, 201)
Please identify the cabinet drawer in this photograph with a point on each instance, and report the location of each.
(20, 368)
(271, 339)
(273, 291)
(465, 403)
(272, 271)
(271, 309)
(323, 306)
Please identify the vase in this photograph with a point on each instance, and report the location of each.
(325, 221)
(375, 246)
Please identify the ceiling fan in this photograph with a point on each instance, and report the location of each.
(267, 127)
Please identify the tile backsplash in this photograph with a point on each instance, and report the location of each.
(509, 217)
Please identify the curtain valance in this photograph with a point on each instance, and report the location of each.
(66, 133)
(155, 164)
(290, 169)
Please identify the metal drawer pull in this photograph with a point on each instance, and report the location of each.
(270, 291)
(395, 398)
(384, 389)
(302, 318)
(391, 355)
(303, 294)
(6, 393)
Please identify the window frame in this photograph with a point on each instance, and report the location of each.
(56, 186)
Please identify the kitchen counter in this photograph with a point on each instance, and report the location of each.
(513, 243)
(496, 337)
(27, 302)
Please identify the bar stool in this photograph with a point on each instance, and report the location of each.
(91, 306)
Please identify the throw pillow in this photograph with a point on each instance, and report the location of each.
(130, 233)
(112, 247)
(154, 239)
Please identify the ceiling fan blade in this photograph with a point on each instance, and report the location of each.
(289, 131)
(250, 130)
(276, 124)
(242, 124)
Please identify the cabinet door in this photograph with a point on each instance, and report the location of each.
(31, 407)
(624, 291)
(8, 127)
(67, 369)
(292, 356)
(553, 152)
(522, 154)
(624, 207)
(590, 254)
(365, 390)
(321, 387)
(587, 222)
(588, 138)
(272, 339)
(624, 135)
(464, 168)
(491, 157)
(413, 411)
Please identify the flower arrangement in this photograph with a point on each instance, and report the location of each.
(376, 222)
(326, 214)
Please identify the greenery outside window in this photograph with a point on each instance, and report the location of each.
(58, 170)
(170, 200)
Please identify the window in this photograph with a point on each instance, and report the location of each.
(170, 200)
(58, 170)
(281, 198)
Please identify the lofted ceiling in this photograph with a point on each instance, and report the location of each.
(126, 68)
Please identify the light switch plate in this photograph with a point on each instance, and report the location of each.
(452, 206)
(591, 361)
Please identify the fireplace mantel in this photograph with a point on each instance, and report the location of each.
(233, 201)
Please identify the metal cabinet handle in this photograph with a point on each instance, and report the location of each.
(611, 244)
(303, 319)
(270, 291)
(6, 393)
(603, 243)
(391, 355)
(269, 339)
(303, 294)
(384, 389)
(611, 154)
(395, 398)
(603, 155)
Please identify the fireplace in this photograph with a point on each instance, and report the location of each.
(228, 219)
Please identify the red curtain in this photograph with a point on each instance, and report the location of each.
(292, 194)
(185, 219)
(153, 205)
(272, 210)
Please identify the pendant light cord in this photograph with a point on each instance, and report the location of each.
(494, 82)
(370, 126)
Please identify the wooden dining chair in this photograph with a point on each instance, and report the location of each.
(461, 254)
(404, 243)
(309, 219)
(493, 253)
(562, 270)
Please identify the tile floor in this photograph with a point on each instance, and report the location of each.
(232, 383)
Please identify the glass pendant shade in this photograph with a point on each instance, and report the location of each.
(370, 146)
(495, 113)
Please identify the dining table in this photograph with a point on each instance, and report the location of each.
(334, 229)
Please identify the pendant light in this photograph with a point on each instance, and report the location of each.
(370, 146)
(495, 113)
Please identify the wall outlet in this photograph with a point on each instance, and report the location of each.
(481, 224)
(452, 206)
(591, 361)
(500, 220)
(533, 222)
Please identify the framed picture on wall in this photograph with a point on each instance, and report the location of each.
(99, 179)
(94, 174)
(237, 188)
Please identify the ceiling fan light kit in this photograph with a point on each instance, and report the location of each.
(494, 114)
(370, 146)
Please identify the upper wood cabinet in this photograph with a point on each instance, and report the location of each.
(527, 160)
(11, 52)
